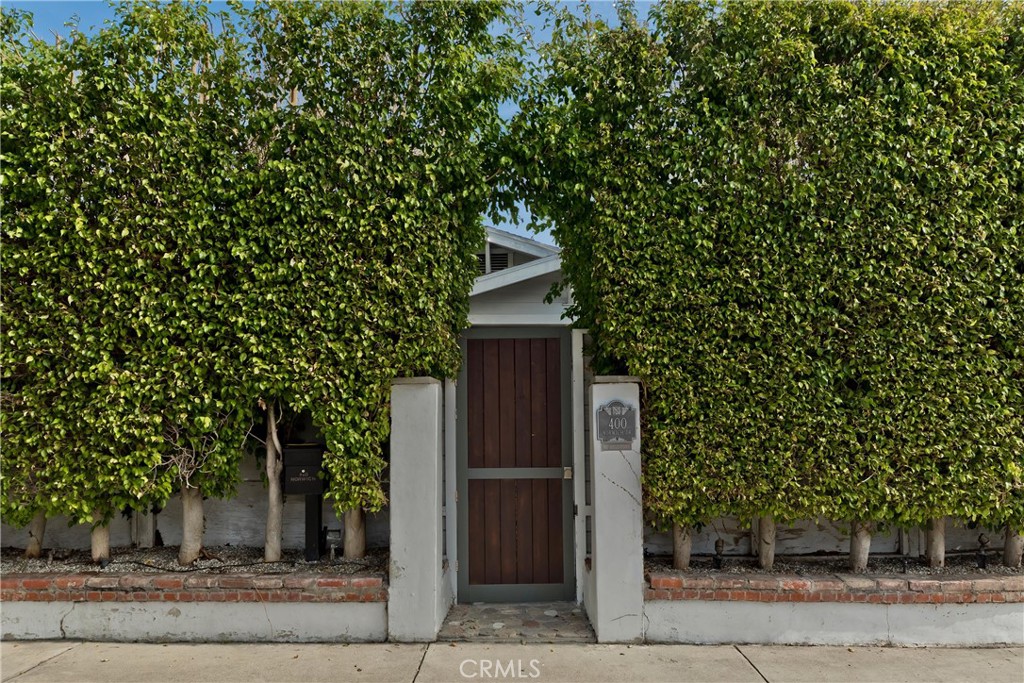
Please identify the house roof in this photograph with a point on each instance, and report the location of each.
(547, 260)
(509, 240)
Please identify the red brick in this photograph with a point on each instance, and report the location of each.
(185, 596)
(986, 585)
(730, 583)
(332, 582)
(984, 597)
(890, 585)
(763, 584)
(1013, 584)
(697, 583)
(649, 594)
(267, 582)
(661, 594)
(102, 581)
(924, 585)
(247, 596)
(235, 582)
(125, 596)
(890, 598)
(795, 584)
(1013, 596)
(36, 584)
(201, 582)
(135, 581)
(64, 582)
(377, 582)
(8, 583)
(664, 581)
(828, 585)
(168, 582)
(955, 586)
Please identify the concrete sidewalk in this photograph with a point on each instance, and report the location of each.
(76, 662)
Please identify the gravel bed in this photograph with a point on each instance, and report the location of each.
(956, 565)
(216, 560)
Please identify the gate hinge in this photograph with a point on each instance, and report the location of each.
(575, 510)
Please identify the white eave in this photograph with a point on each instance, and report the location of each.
(519, 243)
(510, 276)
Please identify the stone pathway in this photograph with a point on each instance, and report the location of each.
(528, 623)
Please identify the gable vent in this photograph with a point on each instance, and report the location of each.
(499, 261)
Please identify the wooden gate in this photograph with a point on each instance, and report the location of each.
(515, 517)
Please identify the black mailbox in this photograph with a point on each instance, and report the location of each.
(303, 464)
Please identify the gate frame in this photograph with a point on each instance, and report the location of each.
(498, 593)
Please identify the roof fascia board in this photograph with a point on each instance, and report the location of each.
(519, 243)
(510, 276)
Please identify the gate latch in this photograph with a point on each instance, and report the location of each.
(566, 473)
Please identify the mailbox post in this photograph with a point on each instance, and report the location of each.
(304, 474)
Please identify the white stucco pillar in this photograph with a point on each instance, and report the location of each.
(618, 553)
(419, 593)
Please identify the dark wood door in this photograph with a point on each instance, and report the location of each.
(515, 458)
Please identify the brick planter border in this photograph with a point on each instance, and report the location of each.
(179, 587)
(835, 588)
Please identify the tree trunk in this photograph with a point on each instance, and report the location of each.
(191, 525)
(1013, 546)
(100, 539)
(860, 545)
(766, 542)
(682, 542)
(355, 534)
(937, 542)
(36, 530)
(275, 499)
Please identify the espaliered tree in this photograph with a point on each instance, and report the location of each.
(800, 224)
(371, 158)
(200, 220)
(119, 368)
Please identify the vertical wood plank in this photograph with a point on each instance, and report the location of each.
(555, 573)
(475, 402)
(523, 402)
(508, 530)
(538, 403)
(524, 530)
(540, 530)
(477, 566)
(491, 404)
(507, 402)
(492, 536)
(553, 447)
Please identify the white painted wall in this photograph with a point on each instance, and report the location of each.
(616, 611)
(221, 622)
(239, 521)
(519, 304)
(788, 623)
(805, 537)
(419, 593)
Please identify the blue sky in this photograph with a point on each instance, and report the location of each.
(50, 17)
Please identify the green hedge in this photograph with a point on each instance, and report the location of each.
(802, 225)
(180, 243)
